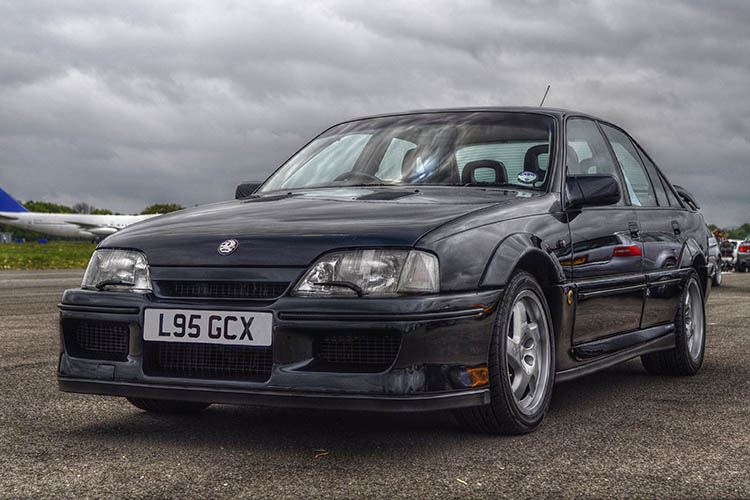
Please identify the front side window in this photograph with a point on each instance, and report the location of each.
(587, 151)
(639, 187)
(487, 149)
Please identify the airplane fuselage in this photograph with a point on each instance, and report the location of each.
(70, 225)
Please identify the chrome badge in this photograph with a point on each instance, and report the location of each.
(228, 247)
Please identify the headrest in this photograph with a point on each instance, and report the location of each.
(531, 160)
(468, 174)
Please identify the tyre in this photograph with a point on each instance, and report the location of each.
(521, 363)
(167, 406)
(716, 278)
(686, 357)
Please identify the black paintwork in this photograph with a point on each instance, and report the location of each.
(480, 235)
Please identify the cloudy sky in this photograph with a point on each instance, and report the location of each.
(123, 104)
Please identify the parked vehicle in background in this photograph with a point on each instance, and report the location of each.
(727, 254)
(743, 256)
(735, 248)
(714, 259)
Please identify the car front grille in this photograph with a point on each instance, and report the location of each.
(358, 352)
(108, 340)
(221, 289)
(208, 361)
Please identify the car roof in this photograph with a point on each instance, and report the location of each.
(556, 112)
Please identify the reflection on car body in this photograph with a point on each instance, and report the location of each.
(449, 259)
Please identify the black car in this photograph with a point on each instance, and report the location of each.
(450, 259)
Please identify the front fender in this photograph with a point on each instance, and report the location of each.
(517, 248)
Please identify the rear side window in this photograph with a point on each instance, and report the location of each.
(639, 186)
(674, 202)
(662, 192)
(587, 151)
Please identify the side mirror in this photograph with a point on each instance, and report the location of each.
(246, 189)
(590, 190)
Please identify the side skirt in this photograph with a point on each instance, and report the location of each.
(619, 342)
(659, 344)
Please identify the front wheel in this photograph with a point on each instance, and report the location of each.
(521, 363)
(686, 357)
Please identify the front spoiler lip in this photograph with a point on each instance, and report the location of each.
(289, 399)
(306, 315)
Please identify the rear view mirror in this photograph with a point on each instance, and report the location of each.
(589, 190)
(246, 189)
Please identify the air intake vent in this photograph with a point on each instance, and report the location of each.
(208, 361)
(221, 289)
(107, 340)
(360, 353)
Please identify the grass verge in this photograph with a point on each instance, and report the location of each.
(52, 255)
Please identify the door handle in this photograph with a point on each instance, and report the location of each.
(634, 230)
(676, 227)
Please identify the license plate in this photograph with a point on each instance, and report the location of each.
(208, 327)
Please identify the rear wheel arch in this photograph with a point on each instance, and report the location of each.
(700, 265)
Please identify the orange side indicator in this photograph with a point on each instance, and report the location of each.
(479, 376)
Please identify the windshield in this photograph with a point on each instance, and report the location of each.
(488, 149)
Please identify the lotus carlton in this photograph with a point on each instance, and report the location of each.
(450, 259)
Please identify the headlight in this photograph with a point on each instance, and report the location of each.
(122, 270)
(374, 273)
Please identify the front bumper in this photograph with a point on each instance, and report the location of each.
(441, 337)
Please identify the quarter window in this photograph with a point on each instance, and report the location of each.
(639, 187)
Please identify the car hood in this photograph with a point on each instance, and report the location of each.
(292, 229)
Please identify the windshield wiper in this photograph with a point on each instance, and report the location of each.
(365, 185)
(504, 185)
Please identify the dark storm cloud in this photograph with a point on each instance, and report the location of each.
(125, 104)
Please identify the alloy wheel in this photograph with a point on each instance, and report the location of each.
(528, 352)
(693, 320)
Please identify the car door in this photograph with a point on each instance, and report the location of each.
(606, 257)
(659, 226)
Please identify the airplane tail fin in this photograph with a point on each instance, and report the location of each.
(8, 204)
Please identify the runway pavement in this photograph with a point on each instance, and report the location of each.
(620, 433)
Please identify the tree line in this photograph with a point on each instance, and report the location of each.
(738, 233)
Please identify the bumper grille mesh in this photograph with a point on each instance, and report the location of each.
(222, 289)
(97, 339)
(366, 353)
(208, 361)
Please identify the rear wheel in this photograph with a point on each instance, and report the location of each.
(521, 363)
(686, 357)
(167, 406)
(716, 278)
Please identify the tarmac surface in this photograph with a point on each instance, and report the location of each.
(619, 433)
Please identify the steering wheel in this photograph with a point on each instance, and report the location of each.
(356, 174)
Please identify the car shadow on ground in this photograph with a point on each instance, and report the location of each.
(275, 428)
